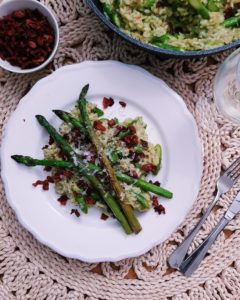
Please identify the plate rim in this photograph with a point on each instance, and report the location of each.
(26, 99)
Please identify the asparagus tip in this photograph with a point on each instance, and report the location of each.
(58, 112)
(40, 118)
(26, 160)
(16, 157)
(84, 91)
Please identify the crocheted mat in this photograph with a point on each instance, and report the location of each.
(29, 270)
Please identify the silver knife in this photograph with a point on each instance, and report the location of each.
(193, 261)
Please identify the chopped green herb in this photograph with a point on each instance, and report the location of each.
(98, 111)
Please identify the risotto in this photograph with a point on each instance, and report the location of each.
(177, 24)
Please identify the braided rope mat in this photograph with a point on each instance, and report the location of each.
(29, 270)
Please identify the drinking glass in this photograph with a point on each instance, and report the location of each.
(227, 87)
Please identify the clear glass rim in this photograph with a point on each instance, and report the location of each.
(220, 70)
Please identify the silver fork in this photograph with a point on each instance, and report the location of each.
(224, 183)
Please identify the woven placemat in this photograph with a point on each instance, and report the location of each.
(29, 270)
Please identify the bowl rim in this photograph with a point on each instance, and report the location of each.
(16, 69)
(152, 49)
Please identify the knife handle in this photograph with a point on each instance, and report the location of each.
(178, 256)
(193, 261)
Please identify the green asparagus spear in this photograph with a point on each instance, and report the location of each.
(98, 111)
(141, 200)
(32, 162)
(167, 47)
(108, 10)
(116, 120)
(149, 3)
(158, 150)
(122, 134)
(160, 39)
(200, 8)
(93, 180)
(144, 185)
(232, 22)
(113, 157)
(67, 117)
(119, 191)
(138, 149)
(80, 200)
(213, 5)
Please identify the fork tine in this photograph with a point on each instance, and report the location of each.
(235, 178)
(235, 173)
(232, 167)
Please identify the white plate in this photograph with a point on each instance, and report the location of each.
(169, 122)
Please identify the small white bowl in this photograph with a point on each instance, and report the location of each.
(10, 6)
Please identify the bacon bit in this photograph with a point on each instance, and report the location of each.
(158, 4)
(132, 129)
(66, 137)
(57, 177)
(61, 175)
(32, 45)
(127, 140)
(63, 200)
(75, 193)
(99, 126)
(237, 5)
(157, 183)
(44, 183)
(19, 14)
(111, 123)
(136, 158)
(134, 140)
(160, 209)
(131, 140)
(229, 11)
(67, 174)
(118, 129)
(155, 201)
(148, 168)
(134, 174)
(47, 169)
(122, 103)
(93, 159)
(141, 155)
(89, 191)
(50, 179)
(104, 217)
(51, 140)
(82, 184)
(38, 182)
(75, 132)
(62, 155)
(107, 102)
(90, 201)
(144, 143)
(76, 212)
